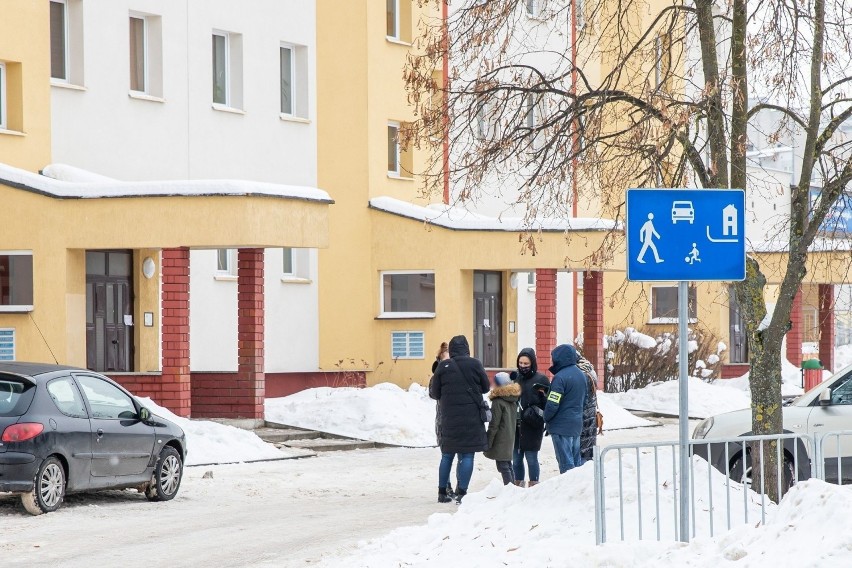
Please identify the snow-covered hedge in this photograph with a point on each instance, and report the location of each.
(637, 358)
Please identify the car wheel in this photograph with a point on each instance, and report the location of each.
(48, 488)
(744, 474)
(168, 473)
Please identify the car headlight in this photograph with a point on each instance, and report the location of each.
(703, 428)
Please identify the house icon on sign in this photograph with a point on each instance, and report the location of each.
(729, 221)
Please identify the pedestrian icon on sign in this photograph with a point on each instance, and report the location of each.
(646, 237)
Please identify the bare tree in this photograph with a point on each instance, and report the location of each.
(554, 109)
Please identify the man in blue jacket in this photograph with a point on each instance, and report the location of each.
(563, 412)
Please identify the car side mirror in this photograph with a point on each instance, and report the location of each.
(825, 397)
(144, 414)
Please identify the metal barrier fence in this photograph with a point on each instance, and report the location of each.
(720, 483)
(831, 449)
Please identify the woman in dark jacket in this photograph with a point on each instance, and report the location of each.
(458, 385)
(443, 355)
(529, 435)
(589, 435)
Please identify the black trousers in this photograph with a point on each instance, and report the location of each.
(505, 469)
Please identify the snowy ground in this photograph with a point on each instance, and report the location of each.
(704, 399)
(284, 513)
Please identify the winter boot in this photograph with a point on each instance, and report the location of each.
(533, 483)
(519, 482)
(460, 493)
(442, 496)
(450, 493)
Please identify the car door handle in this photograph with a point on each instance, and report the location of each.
(100, 433)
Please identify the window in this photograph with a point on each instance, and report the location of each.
(66, 41)
(393, 148)
(7, 344)
(398, 20)
(66, 397)
(3, 96)
(287, 75)
(59, 40)
(532, 8)
(106, 400)
(664, 304)
(289, 262)
(407, 345)
(16, 281)
(400, 160)
(15, 396)
(227, 69)
(530, 278)
(138, 55)
(408, 294)
(225, 261)
(530, 112)
(482, 119)
(220, 69)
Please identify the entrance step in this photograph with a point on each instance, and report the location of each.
(331, 445)
(284, 435)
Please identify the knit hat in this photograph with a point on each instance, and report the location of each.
(502, 379)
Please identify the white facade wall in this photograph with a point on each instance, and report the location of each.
(565, 330)
(176, 133)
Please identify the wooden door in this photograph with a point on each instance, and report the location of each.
(488, 318)
(109, 303)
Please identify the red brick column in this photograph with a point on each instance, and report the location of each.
(545, 316)
(250, 386)
(176, 392)
(796, 333)
(826, 325)
(593, 321)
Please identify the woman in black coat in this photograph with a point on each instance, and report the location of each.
(458, 385)
(530, 432)
(589, 435)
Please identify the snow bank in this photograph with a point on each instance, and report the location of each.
(553, 523)
(704, 399)
(91, 186)
(384, 413)
(210, 442)
(809, 529)
(617, 418)
(459, 218)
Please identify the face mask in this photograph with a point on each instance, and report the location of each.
(524, 370)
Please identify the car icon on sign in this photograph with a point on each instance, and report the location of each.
(683, 211)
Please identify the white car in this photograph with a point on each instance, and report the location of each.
(825, 408)
(683, 211)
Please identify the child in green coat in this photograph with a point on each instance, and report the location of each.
(504, 419)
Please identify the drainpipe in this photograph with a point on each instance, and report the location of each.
(574, 160)
(445, 102)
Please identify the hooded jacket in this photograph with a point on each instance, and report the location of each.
(504, 416)
(530, 437)
(563, 412)
(457, 385)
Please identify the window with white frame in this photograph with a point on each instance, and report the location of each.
(289, 262)
(408, 294)
(59, 40)
(532, 8)
(138, 54)
(392, 18)
(408, 345)
(227, 69)
(482, 118)
(226, 262)
(393, 148)
(3, 96)
(664, 304)
(66, 41)
(398, 20)
(288, 68)
(16, 281)
(529, 106)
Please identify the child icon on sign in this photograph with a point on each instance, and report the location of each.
(693, 255)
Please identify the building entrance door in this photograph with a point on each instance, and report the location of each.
(488, 318)
(109, 311)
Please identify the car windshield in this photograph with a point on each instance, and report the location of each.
(15, 396)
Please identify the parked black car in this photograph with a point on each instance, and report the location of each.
(67, 430)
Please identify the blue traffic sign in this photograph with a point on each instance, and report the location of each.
(685, 235)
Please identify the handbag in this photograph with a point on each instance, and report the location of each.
(484, 410)
(533, 417)
(599, 422)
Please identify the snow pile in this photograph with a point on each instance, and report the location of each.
(809, 529)
(210, 442)
(842, 356)
(791, 379)
(553, 523)
(704, 399)
(384, 413)
(617, 418)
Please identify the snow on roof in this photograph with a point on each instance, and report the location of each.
(66, 182)
(819, 245)
(460, 219)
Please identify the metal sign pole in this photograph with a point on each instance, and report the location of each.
(683, 409)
